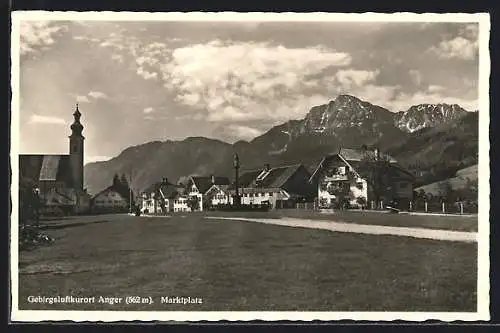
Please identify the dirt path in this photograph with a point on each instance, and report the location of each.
(445, 235)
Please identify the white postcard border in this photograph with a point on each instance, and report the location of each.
(483, 284)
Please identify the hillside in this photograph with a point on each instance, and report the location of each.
(434, 152)
(458, 182)
(439, 152)
(155, 160)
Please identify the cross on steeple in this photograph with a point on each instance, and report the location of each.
(76, 127)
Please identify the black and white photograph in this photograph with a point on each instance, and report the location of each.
(249, 166)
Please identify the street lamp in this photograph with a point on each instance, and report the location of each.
(236, 165)
(36, 202)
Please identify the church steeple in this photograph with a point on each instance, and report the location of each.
(76, 150)
(76, 127)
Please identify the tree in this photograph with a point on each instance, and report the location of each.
(375, 169)
(446, 191)
(124, 181)
(116, 180)
(194, 203)
(27, 201)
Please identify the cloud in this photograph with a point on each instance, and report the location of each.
(145, 74)
(351, 77)
(37, 119)
(243, 80)
(82, 99)
(148, 110)
(403, 101)
(38, 35)
(118, 58)
(97, 95)
(415, 76)
(86, 38)
(92, 95)
(463, 46)
(458, 47)
(243, 132)
(91, 159)
(435, 88)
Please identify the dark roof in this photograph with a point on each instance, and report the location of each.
(352, 156)
(357, 154)
(354, 159)
(204, 183)
(246, 178)
(121, 191)
(46, 167)
(168, 190)
(276, 177)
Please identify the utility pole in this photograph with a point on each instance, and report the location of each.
(130, 191)
(236, 165)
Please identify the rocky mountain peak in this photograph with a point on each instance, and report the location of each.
(428, 115)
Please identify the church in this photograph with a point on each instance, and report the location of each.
(60, 177)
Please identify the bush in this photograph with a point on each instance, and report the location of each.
(30, 237)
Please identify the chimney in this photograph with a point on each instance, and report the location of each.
(165, 180)
(213, 179)
(267, 167)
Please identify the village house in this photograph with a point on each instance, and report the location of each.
(218, 195)
(197, 188)
(160, 198)
(114, 198)
(361, 178)
(181, 204)
(278, 187)
(59, 178)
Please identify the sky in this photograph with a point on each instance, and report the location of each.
(137, 82)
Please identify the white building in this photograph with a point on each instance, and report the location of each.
(159, 198)
(197, 186)
(279, 187)
(341, 179)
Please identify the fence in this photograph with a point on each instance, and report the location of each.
(459, 207)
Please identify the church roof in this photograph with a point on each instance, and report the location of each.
(46, 167)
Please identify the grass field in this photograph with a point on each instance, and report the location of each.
(458, 223)
(235, 265)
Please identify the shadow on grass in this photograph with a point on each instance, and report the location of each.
(71, 225)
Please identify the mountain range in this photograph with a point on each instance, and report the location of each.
(431, 140)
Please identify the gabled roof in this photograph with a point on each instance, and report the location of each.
(204, 183)
(354, 157)
(247, 177)
(46, 167)
(358, 154)
(275, 178)
(351, 157)
(116, 189)
(168, 190)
